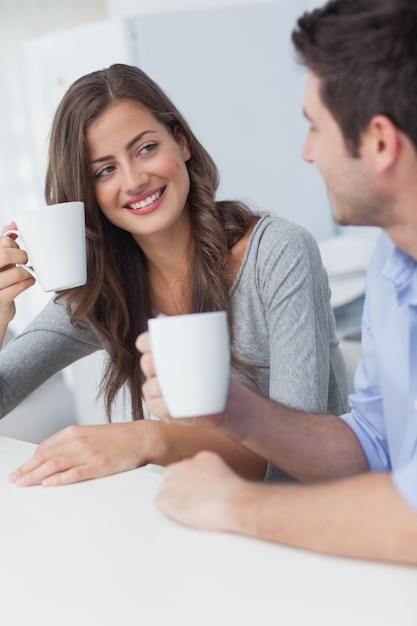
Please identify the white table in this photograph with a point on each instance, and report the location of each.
(98, 553)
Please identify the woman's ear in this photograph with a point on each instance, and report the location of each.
(181, 140)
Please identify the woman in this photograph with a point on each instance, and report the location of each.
(159, 242)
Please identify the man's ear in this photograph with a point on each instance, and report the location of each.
(382, 142)
(181, 140)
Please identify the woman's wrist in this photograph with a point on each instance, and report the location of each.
(151, 441)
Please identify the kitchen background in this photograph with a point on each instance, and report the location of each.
(229, 66)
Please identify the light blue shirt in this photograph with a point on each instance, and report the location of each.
(384, 408)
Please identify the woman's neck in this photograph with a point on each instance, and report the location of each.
(168, 263)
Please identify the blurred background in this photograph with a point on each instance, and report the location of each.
(230, 68)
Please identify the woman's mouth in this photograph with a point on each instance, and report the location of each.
(148, 204)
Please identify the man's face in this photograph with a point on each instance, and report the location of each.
(351, 182)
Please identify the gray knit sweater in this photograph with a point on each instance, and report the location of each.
(284, 329)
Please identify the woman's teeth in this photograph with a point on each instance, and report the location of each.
(144, 203)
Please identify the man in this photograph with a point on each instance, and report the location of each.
(357, 494)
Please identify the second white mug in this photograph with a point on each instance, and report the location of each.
(191, 355)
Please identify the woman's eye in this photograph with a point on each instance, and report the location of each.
(148, 148)
(104, 171)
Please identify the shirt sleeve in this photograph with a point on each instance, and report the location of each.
(366, 417)
(405, 481)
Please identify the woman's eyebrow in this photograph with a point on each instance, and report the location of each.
(137, 138)
(128, 146)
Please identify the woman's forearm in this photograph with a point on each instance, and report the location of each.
(3, 330)
(170, 442)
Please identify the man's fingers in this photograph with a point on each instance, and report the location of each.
(146, 364)
(143, 343)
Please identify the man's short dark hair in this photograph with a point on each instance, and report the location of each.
(365, 53)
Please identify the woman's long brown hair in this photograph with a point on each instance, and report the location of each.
(116, 299)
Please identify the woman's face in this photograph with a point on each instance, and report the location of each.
(139, 168)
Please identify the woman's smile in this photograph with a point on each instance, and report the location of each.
(147, 203)
(139, 165)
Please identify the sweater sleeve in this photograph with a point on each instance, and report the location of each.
(283, 301)
(289, 295)
(293, 289)
(47, 345)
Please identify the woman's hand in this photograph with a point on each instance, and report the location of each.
(84, 452)
(13, 279)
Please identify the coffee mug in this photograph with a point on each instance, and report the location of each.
(191, 356)
(54, 239)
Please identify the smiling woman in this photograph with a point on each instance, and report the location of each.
(158, 241)
(137, 173)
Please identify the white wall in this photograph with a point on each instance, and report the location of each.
(116, 8)
(119, 8)
(52, 61)
(232, 72)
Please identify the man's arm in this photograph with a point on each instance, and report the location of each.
(361, 516)
(308, 446)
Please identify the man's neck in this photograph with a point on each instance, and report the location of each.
(405, 237)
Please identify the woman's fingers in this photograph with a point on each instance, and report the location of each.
(83, 452)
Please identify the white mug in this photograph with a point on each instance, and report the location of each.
(54, 239)
(191, 356)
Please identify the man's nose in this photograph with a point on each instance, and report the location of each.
(307, 152)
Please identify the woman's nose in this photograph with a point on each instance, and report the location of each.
(134, 178)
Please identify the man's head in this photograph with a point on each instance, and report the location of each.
(362, 189)
(365, 53)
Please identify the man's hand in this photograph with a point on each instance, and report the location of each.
(198, 492)
(153, 396)
(150, 389)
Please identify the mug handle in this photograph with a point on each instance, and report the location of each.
(26, 267)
